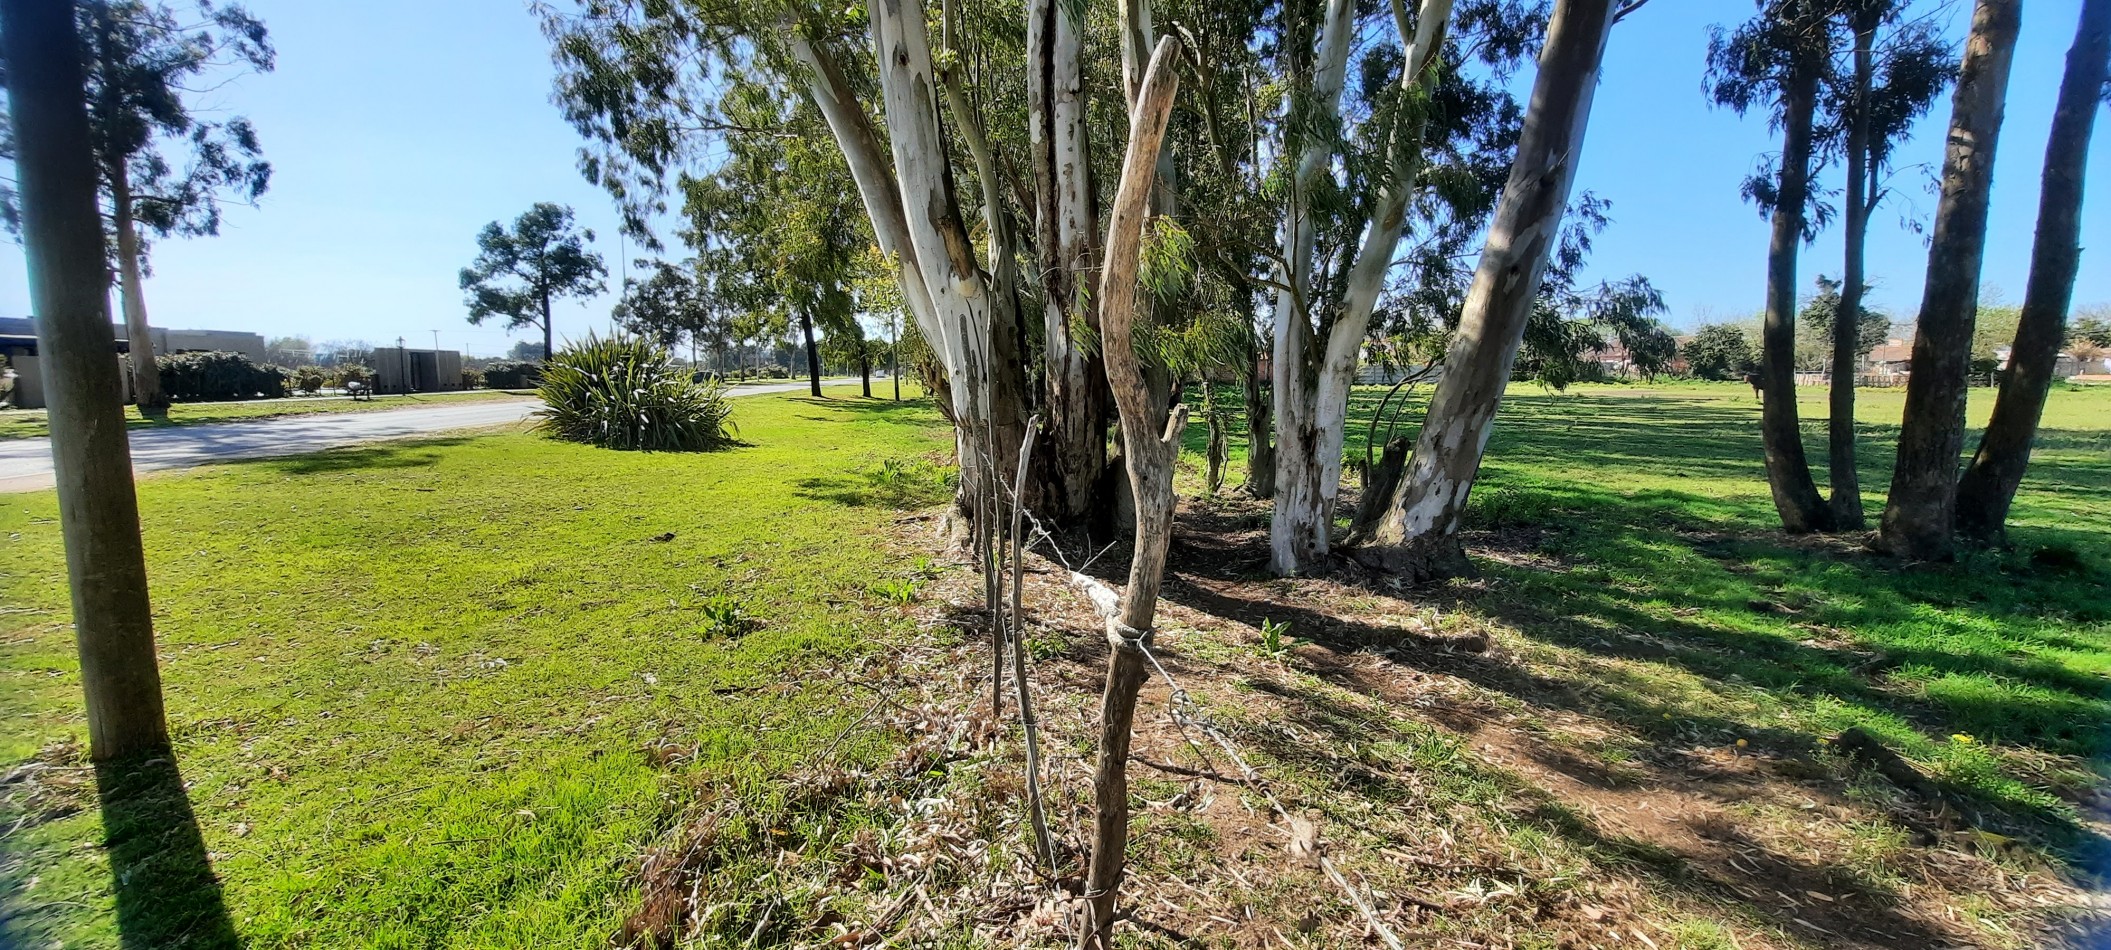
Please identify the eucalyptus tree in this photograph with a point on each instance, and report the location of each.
(1778, 60)
(639, 80)
(164, 167)
(1897, 67)
(1417, 536)
(772, 213)
(1919, 514)
(1990, 481)
(1351, 192)
(68, 286)
(518, 272)
(674, 300)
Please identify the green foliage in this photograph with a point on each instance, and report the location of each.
(1814, 342)
(725, 616)
(1275, 638)
(472, 378)
(624, 393)
(219, 375)
(310, 379)
(897, 591)
(146, 63)
(1720, 351)
(350, 373)
(1507, 506)
(512, 374)
(518, 272)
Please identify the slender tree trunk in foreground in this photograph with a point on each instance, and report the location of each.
(1417, 538)
(1846, 500)
(865, 372)
(1918, 515)
(1796, 497)
(146, 376)
(1151, 429)
(62, 233)
(1990, 481)
(813, 355)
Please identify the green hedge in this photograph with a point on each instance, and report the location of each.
(219, 376)
(512, 374)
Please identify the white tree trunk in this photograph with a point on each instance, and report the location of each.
(1417, 535)
(1312, 402)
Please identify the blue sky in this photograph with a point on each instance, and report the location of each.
(397, 128)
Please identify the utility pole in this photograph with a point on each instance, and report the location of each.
(436, 344)
(62, 235)
(403, 354)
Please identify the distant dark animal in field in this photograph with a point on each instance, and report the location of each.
(1752, 380)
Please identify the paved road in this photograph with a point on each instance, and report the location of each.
(25, 464)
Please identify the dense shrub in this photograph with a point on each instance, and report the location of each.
(624, 393)
(352, 373)
(512, 374)
(472, 378)
(310, 379)
(219, 376)
(774, 371)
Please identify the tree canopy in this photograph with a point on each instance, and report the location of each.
(518, 272)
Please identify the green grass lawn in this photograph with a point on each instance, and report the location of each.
(32, 423)
(415, 685)
(1653, 574)
(423, 690)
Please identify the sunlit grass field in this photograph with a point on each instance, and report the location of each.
(418, 687)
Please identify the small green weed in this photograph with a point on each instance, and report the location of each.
(1275, 638)
(726, 616)
(900, 592)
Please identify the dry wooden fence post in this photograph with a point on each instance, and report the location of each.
(1150, 444)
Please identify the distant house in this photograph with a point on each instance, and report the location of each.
(1893, 357)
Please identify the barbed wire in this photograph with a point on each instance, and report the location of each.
(1185, 711)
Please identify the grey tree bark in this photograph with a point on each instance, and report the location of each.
(1151, 428)
(132, 293)
(1846, 502)
(62, 234)
(1990, 481)
(1074, 377)
(1417, 538)
(1796, 496)
(1918, 516)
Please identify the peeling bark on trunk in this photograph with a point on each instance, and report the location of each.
(146, 375)
(1796, 496)
(62, 232)
(1417, 538)
(1918, 516)
(1313, 401)
(1151, 429)
(1846, 500)
(1990, 482)
(1074, 394)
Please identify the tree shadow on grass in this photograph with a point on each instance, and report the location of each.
(167, 893)
(918, 412)
(420, 453)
